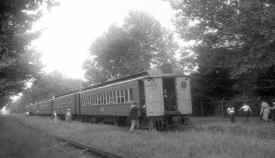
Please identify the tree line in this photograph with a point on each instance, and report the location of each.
(232, 55)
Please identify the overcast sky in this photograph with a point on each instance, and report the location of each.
(71, 27)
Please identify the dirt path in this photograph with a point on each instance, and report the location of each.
(17, 141)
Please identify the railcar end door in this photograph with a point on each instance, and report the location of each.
(153, 97)
(184, 95)
(169, 94)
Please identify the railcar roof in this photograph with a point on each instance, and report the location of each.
(118, 80)
(150, 73)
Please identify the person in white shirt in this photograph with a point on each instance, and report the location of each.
(272, 112)
(265, 110)
(68, 115)
(245, 108)
(55, 117)
(231, 112)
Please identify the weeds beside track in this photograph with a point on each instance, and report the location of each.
(87, 148)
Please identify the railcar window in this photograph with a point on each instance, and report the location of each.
(107, 97)
(101, 99)
(93, 100)
(117, 97)
(83, 100)
(114, 96)
(126, 95)
(110, 95)
(97, 99)
(131, 96)
(122, 96)
(104, 98)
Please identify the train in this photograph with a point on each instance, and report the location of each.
(163, 99)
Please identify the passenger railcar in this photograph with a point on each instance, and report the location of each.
(162, 98)
(44, 107)
(63, 103)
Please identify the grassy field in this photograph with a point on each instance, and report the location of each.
(17, 141)
(210, 137)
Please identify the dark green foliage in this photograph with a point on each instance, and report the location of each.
(265, 84)
(130, 49)
(244, 29)
(235, 36)
(47, 86)
(17, 62)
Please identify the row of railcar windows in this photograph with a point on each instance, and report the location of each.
(118, 96)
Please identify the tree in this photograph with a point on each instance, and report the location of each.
(236, 36)
(242, 28)
(140, 43)
(47, 86)
(17, 63)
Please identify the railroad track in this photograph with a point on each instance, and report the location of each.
(87, 148)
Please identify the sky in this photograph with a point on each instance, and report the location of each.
(71, 27)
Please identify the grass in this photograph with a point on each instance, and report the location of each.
(17, 141)
(210, 137)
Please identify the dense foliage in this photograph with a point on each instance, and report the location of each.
(17, 62)
(241, 30)
(235, 44)
(141, 42)
(45, 87)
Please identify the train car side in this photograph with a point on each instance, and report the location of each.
(44, 108)
(63, 103)
(110, 103)
(162, 99)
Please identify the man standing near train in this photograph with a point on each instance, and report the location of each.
(133, 116)
(245, 108)
(231, 112)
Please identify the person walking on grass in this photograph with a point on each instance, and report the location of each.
(272, 112)
(245, 108)
(68, 115)
(55, 117)
(133, 116)
(231, 113)
(265, 111)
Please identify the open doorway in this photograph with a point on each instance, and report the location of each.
(169, 94)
